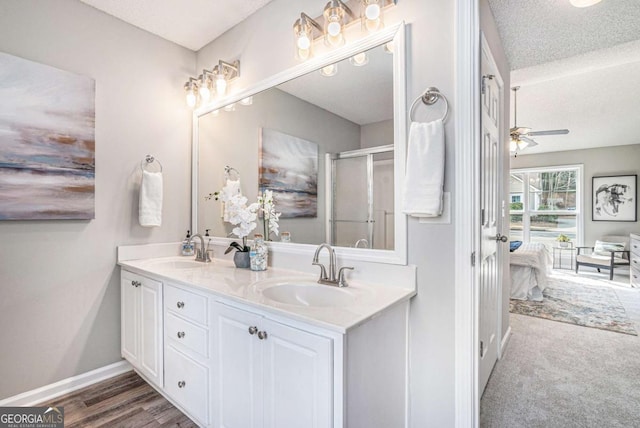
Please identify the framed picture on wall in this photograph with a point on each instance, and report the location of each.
(614, 198)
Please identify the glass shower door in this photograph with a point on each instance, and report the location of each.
(352, 221)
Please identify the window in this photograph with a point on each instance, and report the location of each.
(545, 202)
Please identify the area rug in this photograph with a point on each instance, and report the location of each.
(584, 305)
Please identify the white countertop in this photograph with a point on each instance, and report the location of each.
(223, 279)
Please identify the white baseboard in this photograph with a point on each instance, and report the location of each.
(504, 342)
(65, 386)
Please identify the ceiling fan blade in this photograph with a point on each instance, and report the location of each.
(520, 130)
(529, 141)
(550, 132)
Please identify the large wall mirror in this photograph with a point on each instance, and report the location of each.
(328, 138)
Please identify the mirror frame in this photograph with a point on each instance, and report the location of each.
(393, 33)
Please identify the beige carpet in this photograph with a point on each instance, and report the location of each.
(562, 375)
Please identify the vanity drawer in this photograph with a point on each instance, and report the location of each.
(186, 336)
(635, 246)
(635, 277)
(186, 304)
(187, 383)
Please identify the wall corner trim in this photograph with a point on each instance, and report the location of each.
(65, 386)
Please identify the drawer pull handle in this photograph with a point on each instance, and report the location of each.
(262, 335)
(181, 384)
(180, 305)
(180, 334)
(253, 330)
(136, 283)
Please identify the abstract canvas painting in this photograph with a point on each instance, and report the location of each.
(47, 144)
(614, 198)
(289, 168)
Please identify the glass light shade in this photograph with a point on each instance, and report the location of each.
(372, 15)
(215, 113)
(303, 33)
(513, 146)
(191, 97)
(359, 59)
(388, 47)
(522, 144)
(221, 84)
(329, 70)
(205, 93)
(333, 21)
(584, 3)
(230, 107)
(246, 101)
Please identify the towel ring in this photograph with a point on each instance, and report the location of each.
(229, 170)
(430, 97)
(148, 160)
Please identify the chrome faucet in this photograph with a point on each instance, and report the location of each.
(330, 278)
(201, 253)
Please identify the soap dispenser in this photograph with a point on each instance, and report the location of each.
(187, 245)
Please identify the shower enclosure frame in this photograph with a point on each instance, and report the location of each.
(331, 159)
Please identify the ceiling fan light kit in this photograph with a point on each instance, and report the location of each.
(521, 135)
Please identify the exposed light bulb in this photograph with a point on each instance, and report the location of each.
(359, 59)
(334, 28)
(205, 93)
(372, 11)
(329, 70)
(584, 3)
(304, 42)
(221, 85)
(246, 101)
(191, 98)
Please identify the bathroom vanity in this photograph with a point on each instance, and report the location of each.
(235, 348)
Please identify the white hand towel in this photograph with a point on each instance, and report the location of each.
(424, 179)
(150, 205)
(231, 188)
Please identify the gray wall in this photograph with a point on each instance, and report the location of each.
(617, 160)
(231, 138)
(264, 43)
(59, 284)
(376, 134)
(490, 31)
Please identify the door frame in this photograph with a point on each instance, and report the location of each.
(467, 212)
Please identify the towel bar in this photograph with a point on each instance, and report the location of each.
(430, 97)
(148, 160)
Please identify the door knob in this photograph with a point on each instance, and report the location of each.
(501, 238)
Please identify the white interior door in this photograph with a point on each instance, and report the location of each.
(490, 174)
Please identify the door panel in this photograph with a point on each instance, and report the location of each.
(298, 373)
(238, 395)
(490, 263)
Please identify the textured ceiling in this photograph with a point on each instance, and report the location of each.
(539, 31)
(189, 23)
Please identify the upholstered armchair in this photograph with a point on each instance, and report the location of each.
(608, 253)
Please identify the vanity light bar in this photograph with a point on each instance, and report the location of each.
(219, 76)
(331, 24)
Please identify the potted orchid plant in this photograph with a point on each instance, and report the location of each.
(244, 217)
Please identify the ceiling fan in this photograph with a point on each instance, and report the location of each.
(520, 135)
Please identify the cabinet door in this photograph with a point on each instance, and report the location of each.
(129, 304)
(150, 358)
(237, 354)
(298, 378)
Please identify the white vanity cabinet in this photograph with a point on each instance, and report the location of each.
(270, 375)
(141, 325)
(187, 363)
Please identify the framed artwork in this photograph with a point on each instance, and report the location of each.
(47, 144)
(614, 198)
(289, 168)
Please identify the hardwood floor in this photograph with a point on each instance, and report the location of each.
(123, 401)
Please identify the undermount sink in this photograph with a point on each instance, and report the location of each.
(177, 264)
(308, 293)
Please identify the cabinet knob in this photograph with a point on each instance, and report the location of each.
(136, 283)
(181, 384)
(262, 335)
(180, 334)
(180, 305)
(253, 330)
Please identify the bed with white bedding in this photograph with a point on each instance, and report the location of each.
(530, 265)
